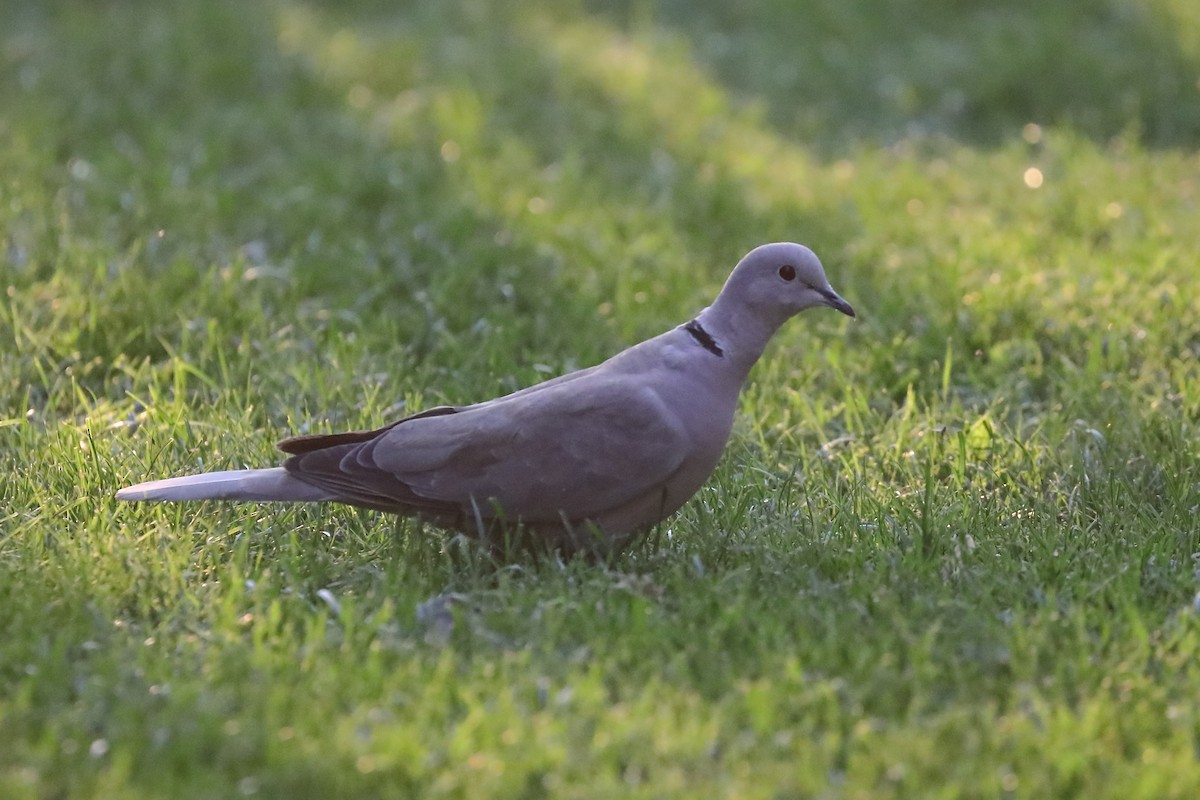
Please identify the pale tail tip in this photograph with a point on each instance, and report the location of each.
(132, 493)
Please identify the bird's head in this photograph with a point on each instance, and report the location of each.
(781, 280)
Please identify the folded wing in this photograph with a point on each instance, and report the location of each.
(544, 457)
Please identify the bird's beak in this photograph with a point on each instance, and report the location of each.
(834, 300)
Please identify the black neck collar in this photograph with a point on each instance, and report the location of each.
(704, 338)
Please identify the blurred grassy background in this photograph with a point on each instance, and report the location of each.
(952, 550)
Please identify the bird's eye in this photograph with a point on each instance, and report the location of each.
(787, 272)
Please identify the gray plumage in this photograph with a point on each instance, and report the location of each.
(583, 461)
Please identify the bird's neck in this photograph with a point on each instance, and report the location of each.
(739, 333)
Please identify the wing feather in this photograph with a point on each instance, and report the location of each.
(577, 449)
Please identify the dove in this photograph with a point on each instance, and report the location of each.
(584, 462)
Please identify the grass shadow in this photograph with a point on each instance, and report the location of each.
(834, 75)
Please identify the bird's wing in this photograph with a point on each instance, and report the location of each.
(294, 445)
(568, 451)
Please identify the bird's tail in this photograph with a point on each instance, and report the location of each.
(274, 484)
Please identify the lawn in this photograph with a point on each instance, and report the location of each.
(953, 549)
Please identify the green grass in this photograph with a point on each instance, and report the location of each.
(953, 548)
